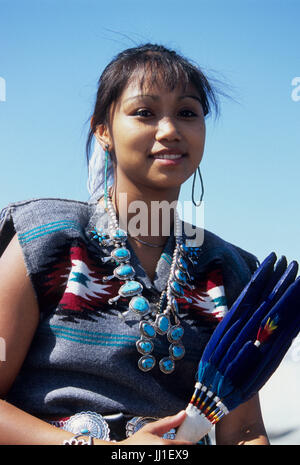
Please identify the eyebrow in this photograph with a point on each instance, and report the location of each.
(195, 97)
(156, 97)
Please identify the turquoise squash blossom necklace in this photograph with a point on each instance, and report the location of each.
(166, 320)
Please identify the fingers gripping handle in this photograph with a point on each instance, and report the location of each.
(194, 426)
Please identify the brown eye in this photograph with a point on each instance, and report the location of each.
(143, 113)
(187, 113)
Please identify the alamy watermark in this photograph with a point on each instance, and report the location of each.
(2, 350)
(2, 89)
(139, 218)
(295, 95)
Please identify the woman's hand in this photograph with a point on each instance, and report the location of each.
(151, 434)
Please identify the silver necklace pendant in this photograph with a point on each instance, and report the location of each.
(124, 271)
(174, 307)
(147, 329)
(167, 365)
(101, 236)
(119, 235)
(162, 323)
(176, 289)
(182, 263)
(130, 288)
(176, 351)
(144, 346)
(167, 307)
(146, 363)
(120, 255)
(139, 305)
(175, 333)
(180, 277)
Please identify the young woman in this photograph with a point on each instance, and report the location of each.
(103, 332)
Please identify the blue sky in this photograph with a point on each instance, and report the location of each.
(52, 53)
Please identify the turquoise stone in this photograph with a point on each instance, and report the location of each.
(182, 264)
(124, 271)
(174, 305)
(119, 235)
(177, 351)
(146, 362)
(139, 305)
(167, 365)
(177, 289)
(100, 236)
(184, 248)
(180, 276)
(162, 324)
(147, 329)
(121, 254)
(144, 346)
(130, 288)
(84, 431)
(175, 333)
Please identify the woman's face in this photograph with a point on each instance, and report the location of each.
(157, 136)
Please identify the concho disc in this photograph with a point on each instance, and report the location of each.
(89, 423)
(136, 423)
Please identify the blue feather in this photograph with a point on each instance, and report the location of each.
(206, 373)
(287, 278)
(225, 387)
(232, 332)
(249, 331)
(287, 306)
(279, 269)
(238, 371)
(255, 368)
(248, 296)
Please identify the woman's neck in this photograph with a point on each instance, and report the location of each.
(145, 213)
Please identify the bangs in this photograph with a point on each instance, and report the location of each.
(159, 71)
(169, 71)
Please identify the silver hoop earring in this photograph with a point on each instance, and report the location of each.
(193, 188)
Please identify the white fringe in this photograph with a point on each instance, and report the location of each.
(194, 427)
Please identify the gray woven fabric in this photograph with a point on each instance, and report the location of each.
(83, 356)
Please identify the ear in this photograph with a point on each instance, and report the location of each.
(103, 136)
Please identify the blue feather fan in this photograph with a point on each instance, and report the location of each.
(246, 347)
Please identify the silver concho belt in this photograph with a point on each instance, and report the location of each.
(93, 424)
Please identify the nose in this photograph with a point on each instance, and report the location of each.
(167, 130)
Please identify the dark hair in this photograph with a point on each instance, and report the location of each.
(152, 59)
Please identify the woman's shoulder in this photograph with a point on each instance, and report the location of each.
(46, 207)
(34, 219)
(212, 245)
(216, 244)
